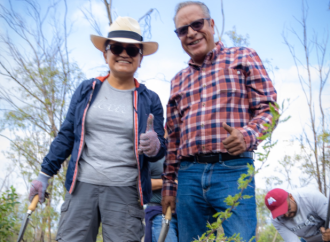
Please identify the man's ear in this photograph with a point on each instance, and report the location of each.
(291, 197)
(212, 25)
(105, 57)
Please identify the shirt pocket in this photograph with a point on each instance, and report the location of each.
(187, 99)
(230, 82)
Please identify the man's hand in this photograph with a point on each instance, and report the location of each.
(39, 187)
(149, 142)
(168, 201)
(234, 143)
(325, 234)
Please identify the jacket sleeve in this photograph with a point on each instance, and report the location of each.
(62, 145)
(318, 203)
(286, 234)
(157, 110)
(261, 94)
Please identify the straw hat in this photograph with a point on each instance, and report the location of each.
(125, 30)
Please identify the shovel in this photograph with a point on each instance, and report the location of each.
(25, 222)
(326, 226)
(165, 225)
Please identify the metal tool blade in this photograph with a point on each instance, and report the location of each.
(23, 227)
(163, 232)
(25, 222)
(165, 225)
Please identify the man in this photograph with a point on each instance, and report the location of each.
(153, 211)
(301, 213)
(217, 109)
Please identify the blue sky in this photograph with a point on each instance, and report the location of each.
(263, 20)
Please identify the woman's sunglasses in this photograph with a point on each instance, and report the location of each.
(131, 50)
(196, 25)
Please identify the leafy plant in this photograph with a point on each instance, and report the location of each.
(8, 200)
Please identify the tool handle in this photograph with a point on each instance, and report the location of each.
(326, 226)
(328, 216)
(168, 214)
(34, 203)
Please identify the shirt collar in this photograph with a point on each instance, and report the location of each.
(212, 55)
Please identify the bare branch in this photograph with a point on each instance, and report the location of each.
(108, 8)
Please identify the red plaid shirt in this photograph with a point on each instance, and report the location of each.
(231, 86)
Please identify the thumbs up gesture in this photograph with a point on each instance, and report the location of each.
(149, 142)
(234, 143)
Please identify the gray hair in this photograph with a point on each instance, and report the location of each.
(181, 5)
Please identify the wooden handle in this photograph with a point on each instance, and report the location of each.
(34, 203)
(168, 214)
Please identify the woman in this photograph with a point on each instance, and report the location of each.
(110, 143)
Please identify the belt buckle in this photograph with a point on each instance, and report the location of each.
(197, 158)
(220, 158)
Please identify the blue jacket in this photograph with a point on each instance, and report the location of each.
(70, 139)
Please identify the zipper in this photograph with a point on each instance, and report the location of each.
(135, 126)
(82, 142)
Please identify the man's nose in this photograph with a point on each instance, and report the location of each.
(191, 33)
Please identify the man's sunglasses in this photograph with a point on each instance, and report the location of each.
(289, 211)
(131, 50)
(196, 25)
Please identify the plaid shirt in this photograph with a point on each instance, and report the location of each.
(231, 86)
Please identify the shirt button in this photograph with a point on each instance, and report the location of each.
(203, 104)
(238, 72)
(204, 85)
(203, 147)
(202, 125)
(203, 69)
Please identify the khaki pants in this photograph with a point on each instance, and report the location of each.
(115, 207)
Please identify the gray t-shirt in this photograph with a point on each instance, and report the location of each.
(156, 170)
(108, 156)
(310, 217)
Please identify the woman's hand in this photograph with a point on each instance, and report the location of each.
(149, 142)
(39, 187)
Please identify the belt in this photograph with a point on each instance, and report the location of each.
(153, 204)
(216, 157)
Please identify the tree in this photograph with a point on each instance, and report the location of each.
(314, 142)
(40, 78)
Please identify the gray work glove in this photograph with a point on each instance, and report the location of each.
(149, 142)
(39, 187)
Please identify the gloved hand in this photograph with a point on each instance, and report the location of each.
(149, 142)
(39, 187)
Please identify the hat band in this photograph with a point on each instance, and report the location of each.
(125, 34)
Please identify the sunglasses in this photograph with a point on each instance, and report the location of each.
(289, 212)
(196, 25)
(131, 50)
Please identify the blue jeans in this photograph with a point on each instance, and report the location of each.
(201, 193)
(172, 235)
